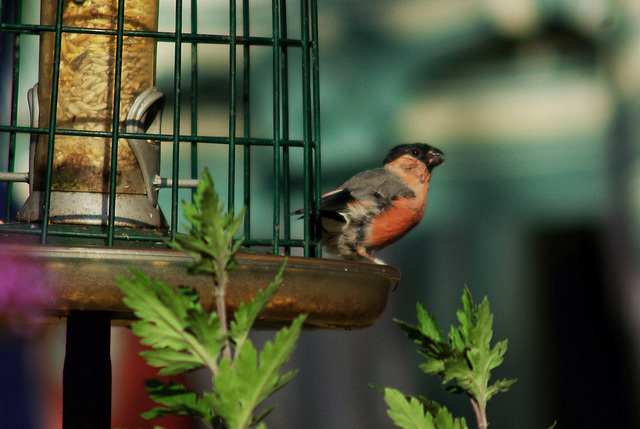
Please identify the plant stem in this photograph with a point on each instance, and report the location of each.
(221, 280)
(480, 410)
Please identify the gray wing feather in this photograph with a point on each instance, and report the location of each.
(378, 185)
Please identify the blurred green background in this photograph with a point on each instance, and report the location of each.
(535, 104)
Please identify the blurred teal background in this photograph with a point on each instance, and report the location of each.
(536, 105)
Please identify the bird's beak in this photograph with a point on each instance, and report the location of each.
(435, 158)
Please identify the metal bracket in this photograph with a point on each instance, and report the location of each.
(34, 120)
(145, 117)
(136, 210)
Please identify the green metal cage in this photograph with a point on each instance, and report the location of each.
(109, 112)
(264, 150)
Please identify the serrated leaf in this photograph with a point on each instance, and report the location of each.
(442, 416)
(206, 328)
(431, 407)
(429, 346)
(497, 354)
(210, 237)
(428, 324)
(465, 359)
(170, 320)
(162, 312)
(241, 387)
(247, 313)
(407, 413)
(177, 400)
(170, 361)
(480, 332)
(183, 336)
(445, 420)
(262, 415)
(432, 366)
(467, 315)
(499, 386)
(457, 369)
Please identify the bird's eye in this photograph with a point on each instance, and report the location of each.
(415, 152)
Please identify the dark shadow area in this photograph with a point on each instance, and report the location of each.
(592, 374)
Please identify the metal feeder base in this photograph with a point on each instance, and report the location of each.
(335, 294)
(91, 208)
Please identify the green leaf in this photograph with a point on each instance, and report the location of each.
(173, 323)
(183, 336)
(242, 386)
(433, 366)
(407, 412)
(262, 415)
(445, 420)
(428, 324)
(170, 361)
(464, 359)
(210, 238)
(246, 314)
(177, 400)
(430, 343)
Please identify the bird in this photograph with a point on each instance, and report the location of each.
(377, 207)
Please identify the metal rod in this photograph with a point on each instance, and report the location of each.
(163, 182)
(115, 125)
(246, 92)
(52, 123)
(275, 22)
(159, 35)
(86, 377)
(129, 236)
(176, 120)
(284, 70)
(231, 168)
(317, 228)
(194, 93)
(307, 121)
(14, 177)
(162, 137)
(17, 17)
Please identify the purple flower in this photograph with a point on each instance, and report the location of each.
(25, 293)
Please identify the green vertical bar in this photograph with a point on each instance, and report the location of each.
(275, 22)
(284, 56)
(316, 123)
(307, 123)
(52, 124)
(177, 70)
(246, 96)
(194, 92)
(115, 125)
(232, 106)
(15, 86)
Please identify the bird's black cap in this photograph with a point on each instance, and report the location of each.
(431, 156)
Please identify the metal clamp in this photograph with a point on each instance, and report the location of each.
(34, 121)
(145, 116)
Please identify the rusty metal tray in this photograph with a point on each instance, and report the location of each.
(335, 294)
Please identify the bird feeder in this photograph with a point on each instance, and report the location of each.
(78, 172)
(95, 180)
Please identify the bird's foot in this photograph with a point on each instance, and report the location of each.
(362, 252)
